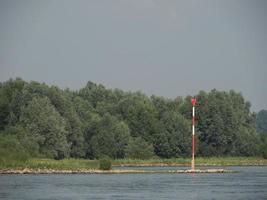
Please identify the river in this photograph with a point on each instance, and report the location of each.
(248, 183)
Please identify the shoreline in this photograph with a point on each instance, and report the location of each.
(186, 162)
(186, 165)
(68, 166)
(113, 171)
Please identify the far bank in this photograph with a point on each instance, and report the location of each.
(76, 164)
(202, 161)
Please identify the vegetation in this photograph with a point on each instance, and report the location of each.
(202, 161)
(47, 163)
(37, 120)
(80, 164)
(138, 148)
(104, 164)
(261, 122)
(12, 151)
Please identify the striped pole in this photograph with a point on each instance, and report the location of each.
(193, 101)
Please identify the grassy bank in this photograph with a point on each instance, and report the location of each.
(71, 164)
(66, 164)
(212, 161)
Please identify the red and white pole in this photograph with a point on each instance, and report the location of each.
(193, 101)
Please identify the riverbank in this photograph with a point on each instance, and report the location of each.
(212, 161)
(83, 164)
(115, 171)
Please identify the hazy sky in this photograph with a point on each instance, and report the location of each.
(167, 48)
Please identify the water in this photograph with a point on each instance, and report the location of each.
(249, 183)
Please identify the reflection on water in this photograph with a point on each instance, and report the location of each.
(249, 183)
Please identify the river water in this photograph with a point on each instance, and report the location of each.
(248, 183)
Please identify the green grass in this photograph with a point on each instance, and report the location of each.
(55, 164)
(240, 161)
(38, 163)
(218, 161)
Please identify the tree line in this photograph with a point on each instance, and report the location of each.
(95, 122)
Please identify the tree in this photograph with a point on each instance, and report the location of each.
(29, 143)
(223, 118)
(138, 148)
(11, 150)
(263, 146)
(94, 93)
(110, 138)
(61, 100)
(174, 138)
(140, 115)
(9, 90)
(261, 121)
(16, 146)
(95, 121)
(45, 124)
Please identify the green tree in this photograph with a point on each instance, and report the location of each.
(262, 121)
(222, 119)
(174, 140)
(94, 93)
(95, 121)
(62, 101)
(11, 150)
(263, 146)
(29, 143)
(9, 109)
(140, 114)
(138, 148)
(45, 124)
(110, 138)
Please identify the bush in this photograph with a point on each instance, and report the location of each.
(12, 151)
(105, 164)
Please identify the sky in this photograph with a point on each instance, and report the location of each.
(162, 47)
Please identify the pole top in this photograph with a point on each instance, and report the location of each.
(193, 101)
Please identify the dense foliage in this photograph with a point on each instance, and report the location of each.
(96, 122)
(262, 122)
(138, 148)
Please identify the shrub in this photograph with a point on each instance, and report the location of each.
(105, 164)
(12, 151)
